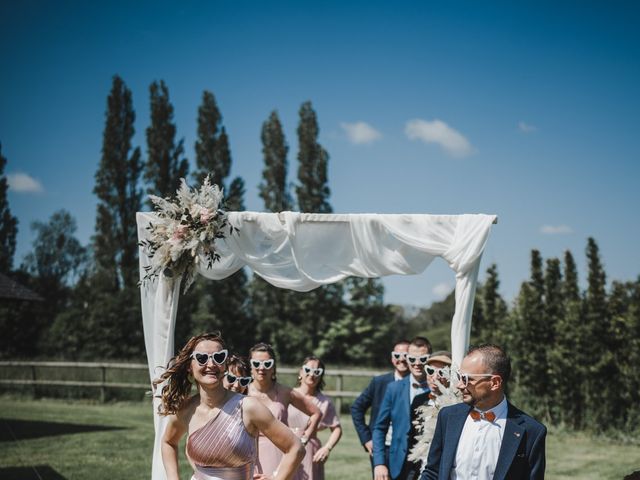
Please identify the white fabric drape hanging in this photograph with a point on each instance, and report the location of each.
(303, 251)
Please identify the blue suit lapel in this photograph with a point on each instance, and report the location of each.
(455, 424)
(514, 433)
(406, 393)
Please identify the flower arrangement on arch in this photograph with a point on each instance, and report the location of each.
(427, 416)
(185, 232)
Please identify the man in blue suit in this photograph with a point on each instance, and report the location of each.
(395, 411)
(372, 396)
(486, 437)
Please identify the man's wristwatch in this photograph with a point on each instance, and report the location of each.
(304, 440)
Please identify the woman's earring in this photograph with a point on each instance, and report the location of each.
(299, 378)
(190, 377)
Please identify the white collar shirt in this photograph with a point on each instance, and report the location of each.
(479, 446)
(414, 391)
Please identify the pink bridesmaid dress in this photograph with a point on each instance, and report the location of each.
(298, 422)
(269, 455)
(223, 449)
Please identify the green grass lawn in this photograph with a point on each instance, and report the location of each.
(76, 440)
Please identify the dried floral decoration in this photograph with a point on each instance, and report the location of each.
(427, 416)
(185, 232)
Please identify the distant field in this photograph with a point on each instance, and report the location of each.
(79, 440)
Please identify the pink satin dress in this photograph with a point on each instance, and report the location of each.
(269, 455)
(298, 421)
(223, 449)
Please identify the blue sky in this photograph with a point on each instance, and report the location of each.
(527, 110)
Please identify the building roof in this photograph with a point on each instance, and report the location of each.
(12, 290)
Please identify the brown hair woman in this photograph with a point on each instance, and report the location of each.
(222, 426)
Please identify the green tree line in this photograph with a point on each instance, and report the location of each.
(575, 352)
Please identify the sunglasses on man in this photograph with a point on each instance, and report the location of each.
(266, 364)
(243, 381)
(464, 377)
(203, 358)
(316, 372)
(399, 356)
(421, 359)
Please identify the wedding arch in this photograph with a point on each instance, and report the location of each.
(302, 251)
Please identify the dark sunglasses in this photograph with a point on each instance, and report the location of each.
(217, 357)
(243, 381)
(267, 364)
(413, 360)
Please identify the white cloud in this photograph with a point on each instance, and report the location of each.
(526, 128)
(24, 183)
(556, 229)
(441, 290)
(360, 132)
(437, 131)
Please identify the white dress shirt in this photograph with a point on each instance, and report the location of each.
(479, 446)
(415, 391)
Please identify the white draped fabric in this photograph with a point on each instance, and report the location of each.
(303, 251)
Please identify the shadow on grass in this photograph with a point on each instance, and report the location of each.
(37, 472)
(12, 429)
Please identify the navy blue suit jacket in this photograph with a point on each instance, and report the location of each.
(395, 409)
(522, 453)
(371, 397)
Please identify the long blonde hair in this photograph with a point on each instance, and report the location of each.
(178, 387)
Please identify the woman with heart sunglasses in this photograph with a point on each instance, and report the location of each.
(310, 384)
(238, 375)
(276, 398)
(214, 413)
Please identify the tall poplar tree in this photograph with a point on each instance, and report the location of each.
(103, 318)
(569, 352)
(118, 192)
(213, 156)
(530, 351)
(313, 189)
(323, 305)
(166, 163)
(600, 335)
(273, 187)
(274, 309)
(221, 305)
(553, 315)
(8, 223)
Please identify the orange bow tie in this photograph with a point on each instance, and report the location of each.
(488, 416)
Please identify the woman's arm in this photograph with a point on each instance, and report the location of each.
(175, 430)
(258, 417)
(305, 404)
(323, 454)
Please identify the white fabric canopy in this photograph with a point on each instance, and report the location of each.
(303, 251)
